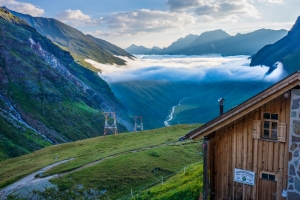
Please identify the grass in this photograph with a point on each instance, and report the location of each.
(184, 185)
(86, 151)
(121, 174)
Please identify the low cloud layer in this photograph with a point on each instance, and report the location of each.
(22, 7)
(189, 69)
(75, 17)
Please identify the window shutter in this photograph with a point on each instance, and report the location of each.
(256, 129)
(281, 132)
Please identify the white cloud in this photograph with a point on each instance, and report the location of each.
(211, 10)
(75, 17)
(270, 1)
(144, 22)
(184, 68)
(22, 7)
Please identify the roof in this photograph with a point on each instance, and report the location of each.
(246, 107)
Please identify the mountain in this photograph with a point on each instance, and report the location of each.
(45, 96)
(240, 44)
(134, 49)
(178, 44)
(80, 46)
(286, 50)
(209, 36)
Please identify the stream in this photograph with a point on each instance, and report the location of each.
(170, 116)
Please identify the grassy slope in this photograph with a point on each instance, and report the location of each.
(184, 186)
(120, 174)
(85, 151)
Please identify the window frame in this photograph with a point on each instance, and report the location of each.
(268, 173)
(270, 128)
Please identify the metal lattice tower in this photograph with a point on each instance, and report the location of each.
(110, 128)
(138, 125)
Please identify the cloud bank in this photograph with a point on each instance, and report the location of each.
(75, 17)
(22, 7)
(145, 21)
(213, 68)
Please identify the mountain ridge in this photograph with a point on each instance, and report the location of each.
(80, 46)
(45, 93)
(285, 50)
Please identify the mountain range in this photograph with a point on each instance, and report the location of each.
(218, 42)
(80, 46)
(45, 96)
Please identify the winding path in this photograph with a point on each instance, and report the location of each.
(32, 180)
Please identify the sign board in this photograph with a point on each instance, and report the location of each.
(244, 176)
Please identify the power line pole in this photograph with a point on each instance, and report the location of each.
(138, 124)
(110, 128)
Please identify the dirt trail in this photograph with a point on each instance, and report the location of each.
(31, 181)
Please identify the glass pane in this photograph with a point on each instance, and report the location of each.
(271, 177)
(266, 124)
(267, 116)
(264, 176)
(266, 133)
(274, 134)
(274, 125)
(274, 116)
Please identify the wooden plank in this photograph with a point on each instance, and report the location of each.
(270, 156)
(234, 149)
(249, 149)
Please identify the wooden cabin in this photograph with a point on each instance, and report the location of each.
(257, 141)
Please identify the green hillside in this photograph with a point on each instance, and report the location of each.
(78, 44)
(45, 95)
(122, 163)
(185, 185)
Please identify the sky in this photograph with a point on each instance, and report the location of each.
(161, 22)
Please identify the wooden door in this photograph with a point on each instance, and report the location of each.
(266, 189)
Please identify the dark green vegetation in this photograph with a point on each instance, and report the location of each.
(199, 100)
(43, 87)
(79, 45)
(186, 185)
(130, 161)
(286, 50)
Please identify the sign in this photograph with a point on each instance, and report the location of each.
(244, 176)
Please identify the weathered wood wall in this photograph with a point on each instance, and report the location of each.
(233, 146)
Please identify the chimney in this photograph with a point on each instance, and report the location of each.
(221, 101)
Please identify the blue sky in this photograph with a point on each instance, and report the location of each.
(160, 22)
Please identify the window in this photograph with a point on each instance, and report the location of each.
(268, 176)
(270, 125)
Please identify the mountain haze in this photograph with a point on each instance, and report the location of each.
(178, 44)
(134, 49)
(226, 45)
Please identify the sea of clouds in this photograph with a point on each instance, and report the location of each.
(209, 68)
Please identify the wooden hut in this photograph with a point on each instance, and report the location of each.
(259, 138)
